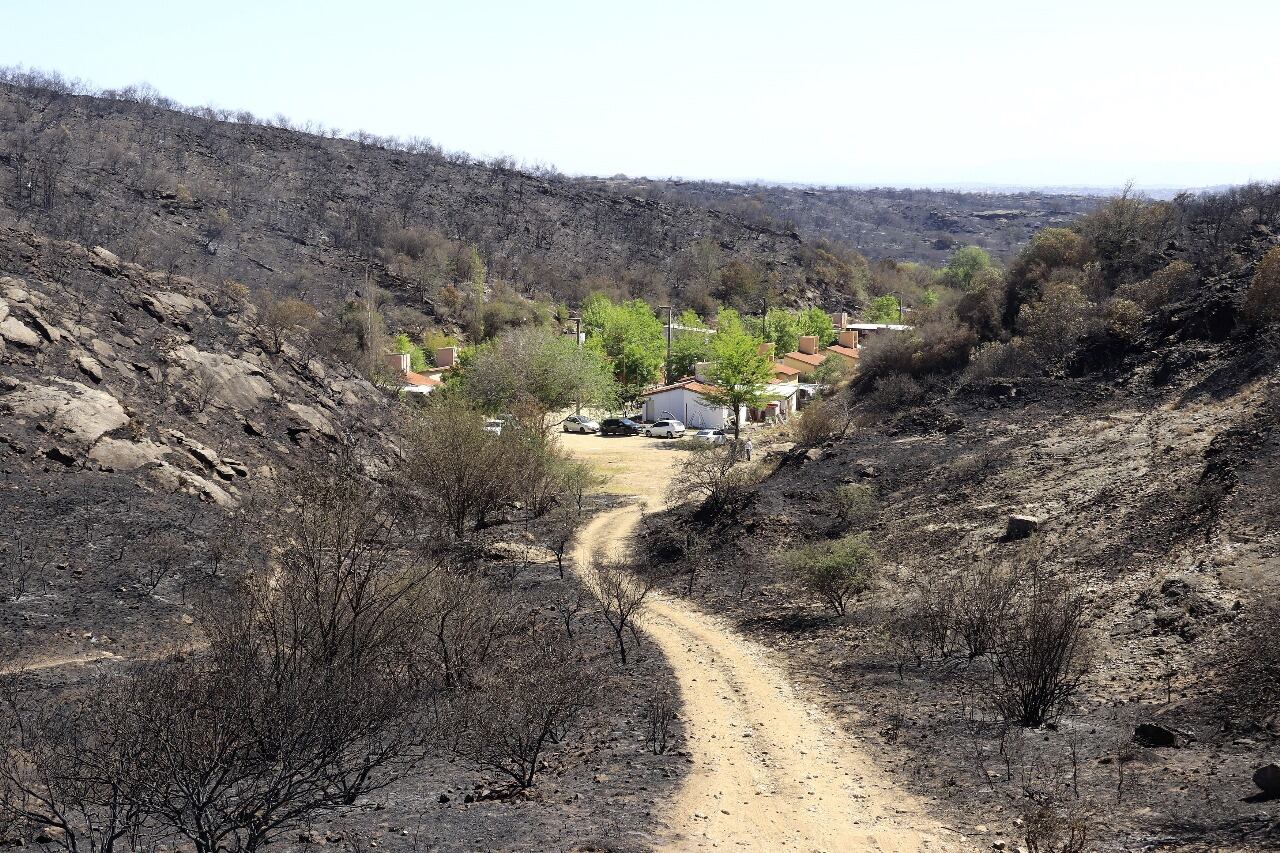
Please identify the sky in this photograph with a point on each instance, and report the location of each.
(1163, 93)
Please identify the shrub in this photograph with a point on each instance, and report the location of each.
(1000, 359)
(1055, 827)
(1122, 318)
(1041, 655)
(854, 503)
(1055, 322)
(834, 571)
(894, 392)
(1262, 299)
(1167, 283)
(823, 421)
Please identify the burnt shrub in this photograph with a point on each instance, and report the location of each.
(1041, 655)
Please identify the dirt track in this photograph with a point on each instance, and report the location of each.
(771, 770)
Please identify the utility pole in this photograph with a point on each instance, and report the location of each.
(666, 370)
(577, 339)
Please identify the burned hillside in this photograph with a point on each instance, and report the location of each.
(1121, 477)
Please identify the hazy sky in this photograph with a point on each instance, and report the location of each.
(901, 92)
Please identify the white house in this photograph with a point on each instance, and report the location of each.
(683, 400)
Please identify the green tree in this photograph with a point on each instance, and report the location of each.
(540, 364)
(739, 372)
(966, 262)
(815, 321)
(780, 329)
(834, 571)
(884, 309)
(686, 351)
(631, 337)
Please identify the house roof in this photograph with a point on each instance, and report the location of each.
(844, 351)
(785, 369)
(805, 357)
(689, 384)
(411, 378)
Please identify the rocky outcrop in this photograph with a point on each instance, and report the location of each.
(111, 371)
(66, 410)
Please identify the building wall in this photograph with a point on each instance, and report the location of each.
(686, 406)
(805, 369)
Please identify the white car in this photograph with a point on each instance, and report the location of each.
(669, 428)
(580, 423)
(714, 437)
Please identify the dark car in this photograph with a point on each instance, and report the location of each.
(619, 426)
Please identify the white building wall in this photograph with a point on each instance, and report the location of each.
(686, 406)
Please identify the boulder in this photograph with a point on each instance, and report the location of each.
(1267, 778)
(118, 455)
(102, 348)
(68, 410)
(1021, 526)
(4, 309)
(104, 260)
(16, 332)
(238, 384)
(1158, 736)
(90, 367)
(206, 456)
(309, 419)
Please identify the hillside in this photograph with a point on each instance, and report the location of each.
(903, 224)
(1145, 469)
(316, 216)
(137, 407)
(152, 433)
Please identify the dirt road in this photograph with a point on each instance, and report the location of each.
(771, 771)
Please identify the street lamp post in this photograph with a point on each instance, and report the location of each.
(577, 339)
(666, 370)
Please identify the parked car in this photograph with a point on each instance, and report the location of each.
(620, 426)
(714, 437)
(580, 423)
(494, 426)
(670, 428)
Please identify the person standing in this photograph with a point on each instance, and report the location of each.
(749, 447)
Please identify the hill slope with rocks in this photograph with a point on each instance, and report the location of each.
(317, 216)
(136, 406)
(883, 223)
(1144, 475)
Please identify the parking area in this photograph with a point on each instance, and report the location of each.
(635, 465)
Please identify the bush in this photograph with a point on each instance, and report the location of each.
(940, 346)
(1167, 283)
(1054, 323)
(894, 392)
(1000, 359)
(1262, 299)
(1041, 656)
(854, 503)
(1122, 318)
(823, 421)
(834, 571)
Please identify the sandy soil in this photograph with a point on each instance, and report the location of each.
(771, 770)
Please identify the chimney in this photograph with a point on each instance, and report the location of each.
(700, 370)
(809, 344)
(840, 320)
(397, 361)
(849, 338)
(446, 356)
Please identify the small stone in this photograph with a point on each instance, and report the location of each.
(1021, 526)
